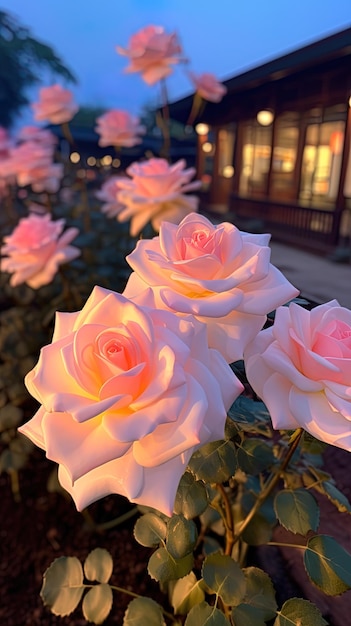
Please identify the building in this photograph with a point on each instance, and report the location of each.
(275, 151)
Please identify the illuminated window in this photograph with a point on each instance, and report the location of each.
(321, 161)
(226, 138)
(256, 154)
(284, 156)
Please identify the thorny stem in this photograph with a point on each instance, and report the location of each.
(271, 482)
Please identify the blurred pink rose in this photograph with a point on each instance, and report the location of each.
(40, 135)
(31, 164)
(56, 105)
(155, 192)
(5, 142)
(127, 394)
(108, 195)
(301, 368)
(151, 51)
(35, 249)
(208, 87)
(119, 128)
(217, 273)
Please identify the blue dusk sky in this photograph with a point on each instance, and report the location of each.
(224, 37)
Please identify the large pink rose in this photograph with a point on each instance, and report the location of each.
(301, 368)
(56, 105)
(151, 52)
(208, 87)
(155, 192)
(108, 195)
(127, 394)
(119, 128)
(35, 249)
(217, 273)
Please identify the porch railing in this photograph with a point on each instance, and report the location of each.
(312, 228)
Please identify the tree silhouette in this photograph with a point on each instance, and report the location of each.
(22, 58)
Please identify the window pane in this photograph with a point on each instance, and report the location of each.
(284, 155)
(255, 159)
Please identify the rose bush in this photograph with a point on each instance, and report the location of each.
(208, 87)
(35, 249)
(151, 52)
(127, 396)
(301, 368)
(155, 192)
(217, 273)
(119, 128)
(56, 105)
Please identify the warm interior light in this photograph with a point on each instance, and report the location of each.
(350, 101)
(74, 157)
(265, 117)
(91, 161)
(207, 146)
(116, 162)
(106, 160)
(228, 171)
(202, 129)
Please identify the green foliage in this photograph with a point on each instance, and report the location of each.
(181, 536)
(22, 59)
(186, 593)
(254, 456)
(259, 603)
(191, 499)
(224, 577)
(299, 612)
(150, 530)
(63, 585)
(215, 462)
(297, 510)
(97, 603)
(328, 565)
(163, 567)
(142, 611)
(205, 615)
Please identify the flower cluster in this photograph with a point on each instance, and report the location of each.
(56, 105)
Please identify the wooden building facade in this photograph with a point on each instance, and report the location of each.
(276, 150)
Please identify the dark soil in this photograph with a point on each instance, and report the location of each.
(44, 526)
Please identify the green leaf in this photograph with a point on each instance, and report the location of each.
(244, 614)
(215, 462)
(181, 536)
(150, 530)
(97, 603)
(143, 611)
(163, 567)
(328, 565)
(63, 585)
(205, 615)
(259, 604)
(258, 532)
(186, 593)
(297, 510)
(249, 415)
(98, 565)
(336, 497)
(191, 499)
(299, 612)
(224, 577)
(254, 456)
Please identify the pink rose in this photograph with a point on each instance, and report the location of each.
(217, 273)
(151, 51)
(119, 128)
(127, 394)
(155, 192)
(5, 143)
(40, 135)
(108, 195)
(31, 164)
(56, 105)
(301, 368)
(208, 87)
(35, 249)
